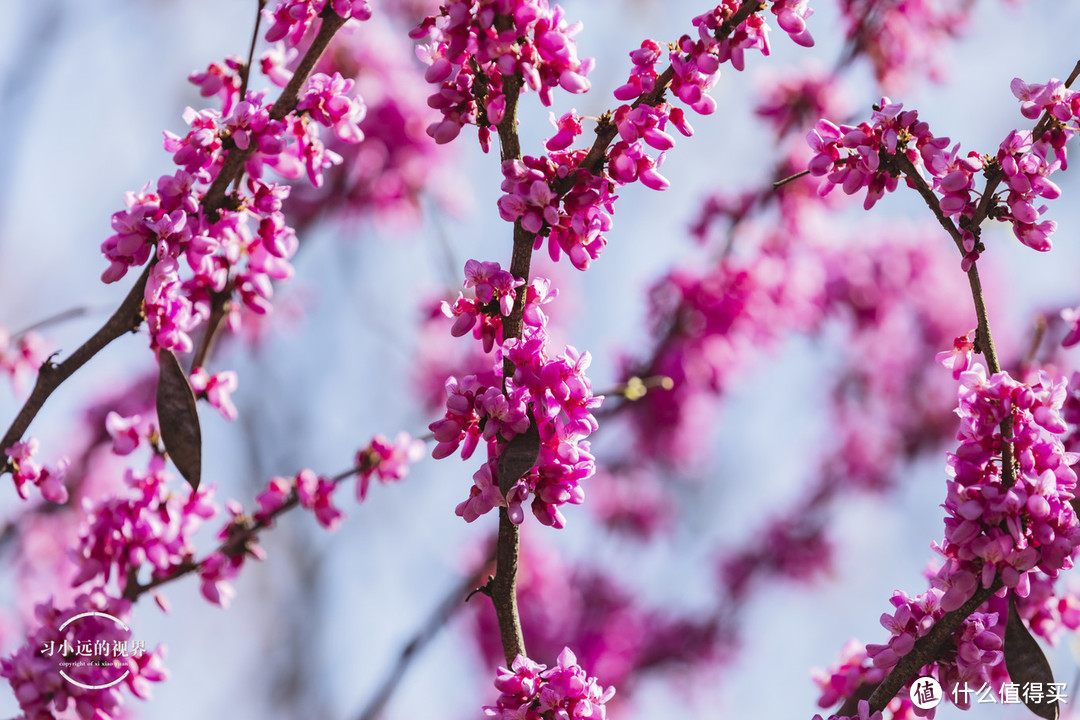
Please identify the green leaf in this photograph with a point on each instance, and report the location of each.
(1026, 663)
(179, 418)
(518, 457)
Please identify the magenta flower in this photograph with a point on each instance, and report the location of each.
(530, 691)
(388, 459)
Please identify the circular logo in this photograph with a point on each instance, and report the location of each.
(99, 659)
(926, 693)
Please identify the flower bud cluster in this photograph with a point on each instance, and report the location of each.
(386, 459)
(857, 157)
(475, 45)
(549, 390)
(24, 469)
(851, 156)
(572, 223)
(530, 691)
(992, 529)
(150, 526)
(291, 19)
(241, 244)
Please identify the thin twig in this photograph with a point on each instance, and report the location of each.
(127, 318)
(245, 72)
(59, 317)
(791, 178)
(240, 539)
(440, 616)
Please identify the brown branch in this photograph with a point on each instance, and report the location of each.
(245, 72)
(127, 318)
(928, 649)
(218, 303)
(504, 584)
(240, 538)
(984, 338)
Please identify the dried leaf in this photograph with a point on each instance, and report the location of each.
(1026, 663)
(518, 457)
(179, 418)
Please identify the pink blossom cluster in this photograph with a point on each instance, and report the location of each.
(549, 390)
(146, 530)
(1050, 612)
(1024, 534)
(574, 222)
(863, 714)
(1025, 159)
(900, 39)
(574, 216)
(494, 292)
(854, 671)
(696, 69)
(386, 459)
(530, 691)
(479, 43)
(389, 174)
(22, 357)
(25, 469)
(243, 244)
(34, 670)
(1007, 531)
(856, 157)
(217, 389)
(291, 19)
(851, 156)
(314, 492)
(221, 79)
(844, 679)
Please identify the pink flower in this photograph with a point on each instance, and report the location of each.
(959, 358)
(530, 691)
(217, 389)
(387, 459)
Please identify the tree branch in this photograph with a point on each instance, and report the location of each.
(927, 649)
(443, 612)
(504, 584)
(127, 318)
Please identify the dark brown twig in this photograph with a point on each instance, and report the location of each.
(127, 318)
